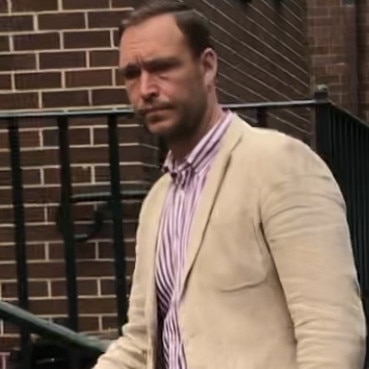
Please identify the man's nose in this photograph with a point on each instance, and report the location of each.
(148, 88)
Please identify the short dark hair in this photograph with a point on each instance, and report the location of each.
(193, 25)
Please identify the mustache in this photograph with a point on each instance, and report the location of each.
(143, 111)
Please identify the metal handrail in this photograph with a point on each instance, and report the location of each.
(129, 111)
(63, 335)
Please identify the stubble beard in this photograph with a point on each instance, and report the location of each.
(183, 128)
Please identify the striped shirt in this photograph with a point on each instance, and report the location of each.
(188, 178)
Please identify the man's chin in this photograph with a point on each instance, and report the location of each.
(162, 127)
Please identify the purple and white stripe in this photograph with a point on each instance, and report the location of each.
(188, 179)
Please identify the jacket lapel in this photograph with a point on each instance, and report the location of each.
(209, 193)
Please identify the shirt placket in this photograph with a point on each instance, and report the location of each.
(179, 254)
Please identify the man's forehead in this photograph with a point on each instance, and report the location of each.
(157, 37)
(163, 29)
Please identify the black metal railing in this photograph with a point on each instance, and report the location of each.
(65, 336)
(341, 139)
(64, 222)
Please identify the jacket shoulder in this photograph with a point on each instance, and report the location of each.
(278, 156)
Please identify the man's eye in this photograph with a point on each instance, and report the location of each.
(130, 74)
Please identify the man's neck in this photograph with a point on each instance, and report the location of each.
(180, 149)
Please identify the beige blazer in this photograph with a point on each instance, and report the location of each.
(269, 280)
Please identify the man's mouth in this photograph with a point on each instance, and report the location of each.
(152, 111)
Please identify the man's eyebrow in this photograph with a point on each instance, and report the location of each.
(171, 60)
(149, 64)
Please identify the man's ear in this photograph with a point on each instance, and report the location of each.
(209, 61)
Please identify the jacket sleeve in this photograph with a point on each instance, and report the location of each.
(305, 226)
(130, 350)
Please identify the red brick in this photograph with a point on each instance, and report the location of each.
(96, 305)
(59, 21)
(107, 287)
(29, 139)
(93, 155)
(3, 7)
(103, 58)
(35, 251)
(78, 136)
(7, 345)
(112, 96)
(363, 57)
(18, 101)
(85, 4)
(123, 3)
(36, 215)
(89, 78)
(7, 253)
(79, 175)
(36, 196)
(6, 215)
(109, 322)
(37, 41)
(36, 289)
(85, 288)
(115, 38)
(88, 323)
(4, 139)
(31, 176)
(119, 78)
(86, 39)
(85, 252)
(64, 99)
(4, 43)
(17, 62)
(33, 81)
(34, 5)
(46, 270)
(105, 250)
(128, 173)
(5, 82)
(126, 135)
(4, 160)
(48, 306)
(7, 271)
(105, 19)
(38, 156)
(60, 60)
(12, 23)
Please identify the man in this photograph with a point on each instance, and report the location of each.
(243, 252)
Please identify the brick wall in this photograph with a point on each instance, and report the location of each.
(339, 41)
(328, 49)
(58, 54)
(363, 57)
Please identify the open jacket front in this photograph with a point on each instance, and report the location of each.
(269, 280)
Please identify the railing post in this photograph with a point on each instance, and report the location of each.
(162, 151)
(67, 221)
(117, 214)
(262, 117)
(19, 231)
(322, 122)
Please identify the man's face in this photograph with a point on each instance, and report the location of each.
(165, 83)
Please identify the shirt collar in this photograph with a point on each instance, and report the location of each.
(195, 159)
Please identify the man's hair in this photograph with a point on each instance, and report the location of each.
(193, 25)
